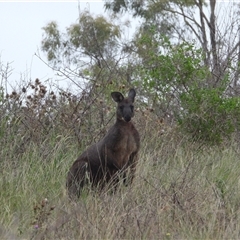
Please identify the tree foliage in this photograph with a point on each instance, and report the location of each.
(194, 21)
(88, 53)
(93, 38)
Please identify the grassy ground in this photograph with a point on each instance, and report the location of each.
(180, 191)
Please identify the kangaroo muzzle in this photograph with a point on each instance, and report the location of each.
(127, 118)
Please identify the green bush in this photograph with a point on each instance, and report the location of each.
(178, 84)
(208, 116)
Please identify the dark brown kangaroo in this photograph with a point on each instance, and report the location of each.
(113, 155)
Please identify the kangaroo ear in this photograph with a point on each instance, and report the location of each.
(117, 96)
(132, 94)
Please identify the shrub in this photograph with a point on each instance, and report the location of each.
(208, 116)
(179, 85)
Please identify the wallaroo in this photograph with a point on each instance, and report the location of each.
(114, 157)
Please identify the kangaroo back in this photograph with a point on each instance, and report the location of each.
(113, 155)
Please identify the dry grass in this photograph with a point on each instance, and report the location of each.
(181, 190)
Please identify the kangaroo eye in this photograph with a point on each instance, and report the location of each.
(132, 107)
(121, 107)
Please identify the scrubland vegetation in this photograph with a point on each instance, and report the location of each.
(182, 189)
(183, 61)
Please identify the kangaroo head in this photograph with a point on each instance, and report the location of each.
(125, 108)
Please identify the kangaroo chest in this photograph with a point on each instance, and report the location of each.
(128, 143)
(121, 142)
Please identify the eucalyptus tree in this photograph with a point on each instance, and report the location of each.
(212, 26)
(85, 49)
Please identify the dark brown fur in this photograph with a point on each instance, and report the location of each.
(113, 155)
